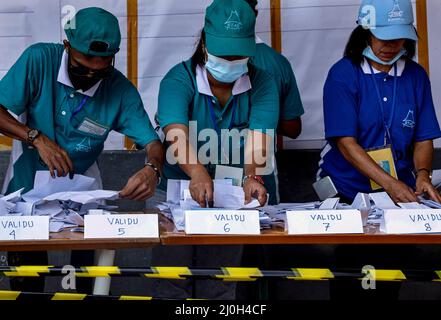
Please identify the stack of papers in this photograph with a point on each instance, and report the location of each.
(64, 200)
(226, 197)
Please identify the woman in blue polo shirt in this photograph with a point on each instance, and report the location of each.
(380, 120)
(380, 124)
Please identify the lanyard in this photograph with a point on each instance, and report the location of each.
(80, 107)
(388, 125)
(213, 115)
(216, 127)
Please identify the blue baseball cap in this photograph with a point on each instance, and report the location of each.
(388, 19)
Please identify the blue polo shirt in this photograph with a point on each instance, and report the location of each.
(352, 109)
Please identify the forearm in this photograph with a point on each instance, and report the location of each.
(182, 151)
(290, 128)
(155, 154)
(257, 153)
(423, 155)
(12, 128)
(359, 158)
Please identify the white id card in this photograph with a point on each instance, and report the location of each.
(89, 126)
(231, 173)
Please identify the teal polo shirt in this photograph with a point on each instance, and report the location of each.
(291, 106)
(185, 96)
(268, 59)
(38, 90)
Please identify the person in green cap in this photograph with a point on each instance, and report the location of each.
(67, 99)
(291, 106)
(218, 91)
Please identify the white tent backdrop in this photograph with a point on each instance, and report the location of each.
(314, 35)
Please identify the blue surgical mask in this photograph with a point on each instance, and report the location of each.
(369, 53)
(226, 71)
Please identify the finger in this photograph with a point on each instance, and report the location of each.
(64, 166)
(139, 191)
(434, 195)
(410, 196)
(129, 188)
(144, 196)
(58, 167)
(51, 169)
(194, 194)
(262, 196)
(247, 192)
(70, 164)
(210, 197)
(202, 199)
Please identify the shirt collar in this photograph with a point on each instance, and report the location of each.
(259, 40)
(63, 77)
(240, 86)
(401, 64)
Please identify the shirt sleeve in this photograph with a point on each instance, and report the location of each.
(264, 102)
(340, 104)
(427, 126)
(16, 87)
(133, 120)
(291, 103)
(175, 96)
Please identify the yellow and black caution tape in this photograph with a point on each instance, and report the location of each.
(62, 296)
(224, 274)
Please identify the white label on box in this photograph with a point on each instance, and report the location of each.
(324, 222)
(24, 228)
(121, 226)
(234, 222)
(408, 221)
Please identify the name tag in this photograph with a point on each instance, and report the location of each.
(235, 222)
(385, 159)
(121, 226)
(324, 222)
(24, 228)
(407, 221)
(89, 126)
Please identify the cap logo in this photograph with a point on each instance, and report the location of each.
(233, 22)
(396, 14)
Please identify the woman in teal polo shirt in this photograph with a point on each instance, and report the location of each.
(217, 89)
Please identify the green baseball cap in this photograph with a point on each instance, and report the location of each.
(94, 31)
(230, 28)
(252, 3)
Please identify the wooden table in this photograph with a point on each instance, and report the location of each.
(68, 240)
(372, 235)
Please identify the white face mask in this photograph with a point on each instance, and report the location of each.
(369, 53)
(226, 71)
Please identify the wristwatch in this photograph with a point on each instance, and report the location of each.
(32, 135)
(158, 173)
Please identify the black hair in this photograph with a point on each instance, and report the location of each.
(360, 39)
(198, 58)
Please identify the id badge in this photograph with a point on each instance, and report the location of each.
(92, 127)
(230, 173)
(383, 156)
